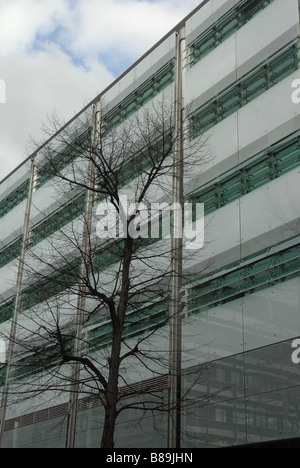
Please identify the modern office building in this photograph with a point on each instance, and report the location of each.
(234, 65)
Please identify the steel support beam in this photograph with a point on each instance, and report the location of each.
(176, 255)
(85, 248)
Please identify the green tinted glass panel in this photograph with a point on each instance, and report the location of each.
(136, 323)
(7, 310)
(2, 375)
(245, 90)
(10, 252)
(57, 162)
(138, 98)
(14, 198)
(258, 170)
(247, 279)
(58, 219)
(227, 25)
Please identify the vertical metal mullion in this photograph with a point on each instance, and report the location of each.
(174, 430)
(18, 299)
(73, 401)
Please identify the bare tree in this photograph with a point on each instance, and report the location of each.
(103, 270)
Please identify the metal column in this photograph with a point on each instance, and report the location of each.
(176, 260)
(73, 402)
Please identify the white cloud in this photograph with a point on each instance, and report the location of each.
(55, 54)
(22, 20)
(37, 84)
(128, 26)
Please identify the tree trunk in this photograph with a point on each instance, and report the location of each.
(109, 428)
(112, 391)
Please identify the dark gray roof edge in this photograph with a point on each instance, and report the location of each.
(174, 30)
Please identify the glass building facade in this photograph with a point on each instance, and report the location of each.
(238, 64)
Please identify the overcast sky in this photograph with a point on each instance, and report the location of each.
(60, 54)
